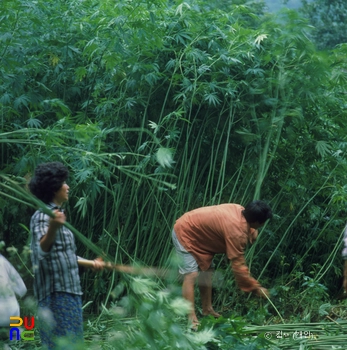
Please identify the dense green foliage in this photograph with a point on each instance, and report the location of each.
(160, 107)
(329, 19)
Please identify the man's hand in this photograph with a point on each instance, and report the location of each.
(261, 292)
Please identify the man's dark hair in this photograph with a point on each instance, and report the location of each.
(47, 180)
(257, 211)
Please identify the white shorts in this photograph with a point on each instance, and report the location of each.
(188, 262)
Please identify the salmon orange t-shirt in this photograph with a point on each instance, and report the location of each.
(211, 230)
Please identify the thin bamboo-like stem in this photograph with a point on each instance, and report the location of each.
(291, 224)
(269, 300)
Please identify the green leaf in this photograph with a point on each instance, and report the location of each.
(5, 98)
(164, 157)
(179, 10)
(154, 126)
(20, 101)
(259, 39)
(323, 148)
(34, 123)
(212, 99)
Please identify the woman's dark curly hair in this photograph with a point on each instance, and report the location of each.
(257, 211)
(47, 180)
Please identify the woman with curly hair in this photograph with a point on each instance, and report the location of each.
(56, 279)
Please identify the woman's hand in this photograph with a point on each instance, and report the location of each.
(58, 220)
(55, 223)
(98, 264)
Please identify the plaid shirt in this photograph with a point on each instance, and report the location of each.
(344, 251)
(56, 270)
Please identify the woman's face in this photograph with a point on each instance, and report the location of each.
(62, 195)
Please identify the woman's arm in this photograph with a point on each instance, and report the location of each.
(55, 223)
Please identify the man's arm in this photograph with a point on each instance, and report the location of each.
(244, 280)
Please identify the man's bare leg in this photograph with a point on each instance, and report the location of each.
(205, 286)
(188, 294)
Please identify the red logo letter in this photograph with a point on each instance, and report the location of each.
(26, 323)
